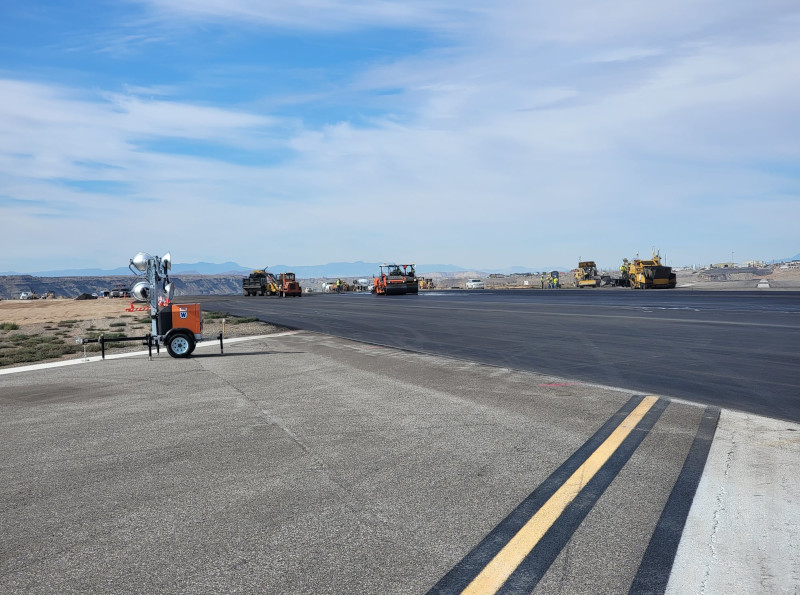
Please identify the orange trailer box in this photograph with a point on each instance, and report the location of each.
(186, 316)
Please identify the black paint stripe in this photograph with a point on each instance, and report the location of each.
(535, 565)
(656, 565)
(462, 574)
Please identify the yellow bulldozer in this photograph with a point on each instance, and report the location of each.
(647, 274)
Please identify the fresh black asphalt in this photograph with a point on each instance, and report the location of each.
(737, 350)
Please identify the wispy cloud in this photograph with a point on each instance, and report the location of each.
(314, 14)
(538, 129)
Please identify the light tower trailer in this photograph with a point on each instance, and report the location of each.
(179, 327)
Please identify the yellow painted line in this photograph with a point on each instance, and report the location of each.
(497, 571)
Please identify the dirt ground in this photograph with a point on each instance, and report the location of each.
(41, 311)
(34, 330)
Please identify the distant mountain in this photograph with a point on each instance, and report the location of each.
(330, 270)
(80, 273)
(518, 269)
(210, 268)
(795, 257)
(355, 269)
(71, 287)
(195, 268)
(440, 268)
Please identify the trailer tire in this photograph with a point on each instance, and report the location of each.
(180, 344)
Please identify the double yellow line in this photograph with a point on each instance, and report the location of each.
(497, 571)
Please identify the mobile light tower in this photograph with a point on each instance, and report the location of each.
(178, 327)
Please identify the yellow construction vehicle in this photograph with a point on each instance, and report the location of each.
(647, 274)
(586, 274)
(260, 282)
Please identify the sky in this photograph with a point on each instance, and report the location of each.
(479, 134)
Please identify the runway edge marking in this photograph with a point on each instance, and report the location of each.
(561, 502)
(97, 358)
(656, 566)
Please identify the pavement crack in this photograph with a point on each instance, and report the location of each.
(719, 510)
(296, 439)
(272, 419)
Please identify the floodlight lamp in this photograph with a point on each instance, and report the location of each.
(166, 262)
(141, 291)
(170, 289)
(140, 261)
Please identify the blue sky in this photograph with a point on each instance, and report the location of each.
(479, 134)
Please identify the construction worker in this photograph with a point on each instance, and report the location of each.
(338, 286)
(542, 281)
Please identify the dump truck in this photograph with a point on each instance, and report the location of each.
(396, 279)
(647, 274)
(260, 282)
(288, 286)
(586, 274)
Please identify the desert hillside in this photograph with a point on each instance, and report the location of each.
(71, 287)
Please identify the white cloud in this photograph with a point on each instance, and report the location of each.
(546, 132)
(312, 14)
(626, 54)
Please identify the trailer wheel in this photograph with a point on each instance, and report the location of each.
(180, 345)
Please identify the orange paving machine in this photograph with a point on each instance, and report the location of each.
(396, 279)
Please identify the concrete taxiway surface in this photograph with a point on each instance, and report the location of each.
(305, 463)
(735, 350)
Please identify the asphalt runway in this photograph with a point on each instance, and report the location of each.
(738, 350)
